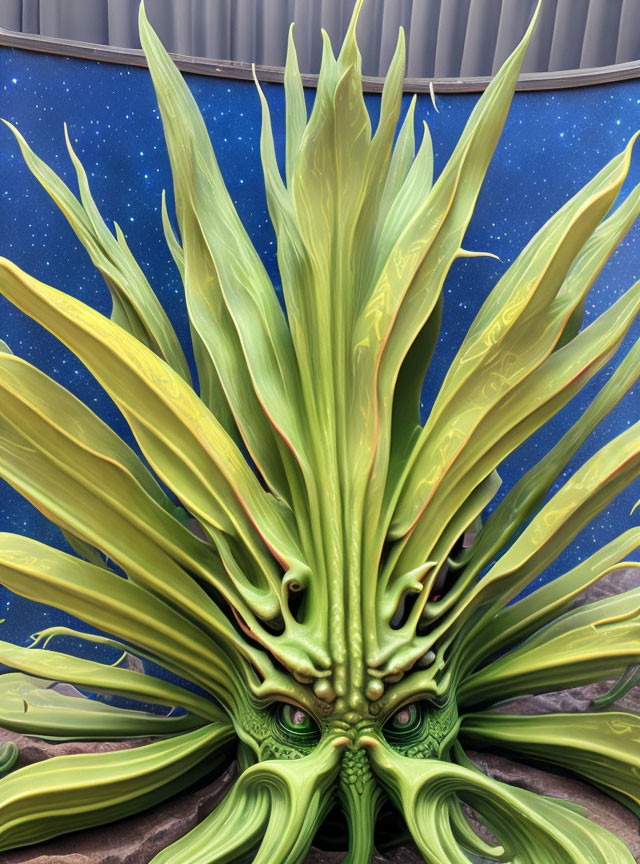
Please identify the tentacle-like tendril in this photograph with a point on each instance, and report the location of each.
(530, 828)
(275, 808)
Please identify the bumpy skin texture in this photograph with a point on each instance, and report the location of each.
(310, 569)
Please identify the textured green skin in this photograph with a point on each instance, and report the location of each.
(441, 725)
(263, 732)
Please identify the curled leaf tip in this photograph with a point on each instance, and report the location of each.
(254, 75)
(432, 93)
(470, 253)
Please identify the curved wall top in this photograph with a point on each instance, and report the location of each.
(444, 38)
(553, 142)
(236, 70)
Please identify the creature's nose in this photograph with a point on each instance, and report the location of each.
(365, 741)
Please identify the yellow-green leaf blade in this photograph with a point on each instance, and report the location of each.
(135, 306)
(61, 794)
(32, 706)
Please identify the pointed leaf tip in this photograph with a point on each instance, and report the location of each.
(355, 15)
(326, 42)
(349, 53)
(144, 25)
(534, 20)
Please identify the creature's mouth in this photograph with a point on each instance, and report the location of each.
(333, 833)
(390, 829)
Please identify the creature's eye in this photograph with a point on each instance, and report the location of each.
(404, 724)
(297, 725)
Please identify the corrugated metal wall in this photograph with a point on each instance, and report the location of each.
(446, 38)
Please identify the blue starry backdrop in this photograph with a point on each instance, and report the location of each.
(552, 144)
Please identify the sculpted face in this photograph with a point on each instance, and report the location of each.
(348, 736)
